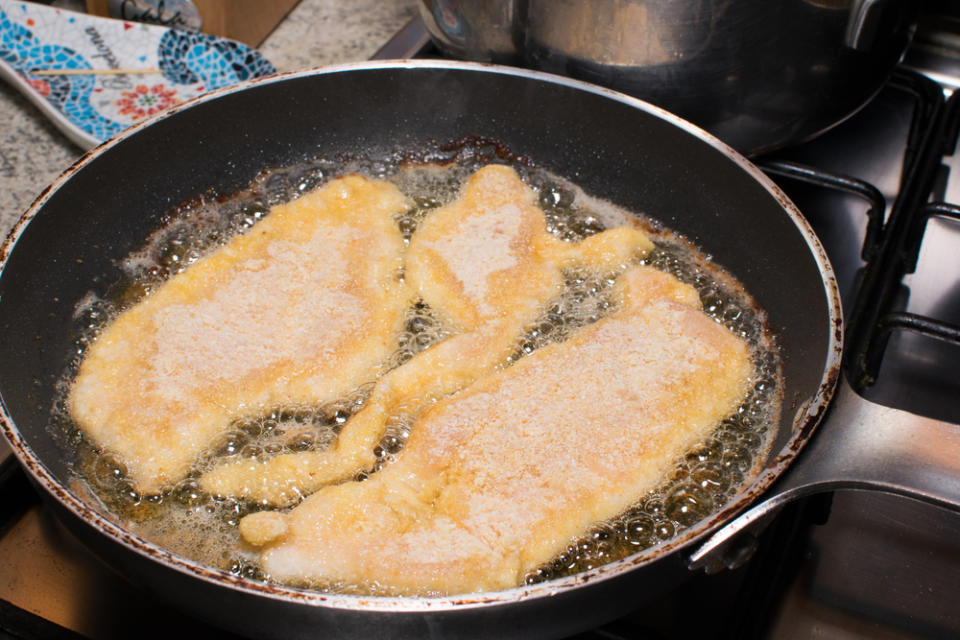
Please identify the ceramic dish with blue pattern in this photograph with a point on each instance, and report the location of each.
(93, 77)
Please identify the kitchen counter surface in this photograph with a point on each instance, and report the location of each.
(316, 32)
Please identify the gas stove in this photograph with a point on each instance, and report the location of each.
(882, 194)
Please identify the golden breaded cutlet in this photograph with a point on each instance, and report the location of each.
(300, 309)
(500, 477)
(486, 265)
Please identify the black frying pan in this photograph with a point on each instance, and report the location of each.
(613, 146)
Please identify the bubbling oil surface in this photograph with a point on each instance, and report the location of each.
(204, 528)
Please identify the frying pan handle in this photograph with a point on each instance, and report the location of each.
(862, 445)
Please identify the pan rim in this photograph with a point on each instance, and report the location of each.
(805, 421)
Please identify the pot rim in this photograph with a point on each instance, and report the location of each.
(805, 420)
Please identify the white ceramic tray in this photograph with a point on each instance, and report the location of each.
(93, 76)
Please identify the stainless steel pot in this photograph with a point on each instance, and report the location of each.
(757, 74)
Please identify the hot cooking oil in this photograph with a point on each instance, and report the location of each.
(203, 527)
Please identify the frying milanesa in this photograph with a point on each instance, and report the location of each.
(487, 265)
(501, 476)
(301, 309)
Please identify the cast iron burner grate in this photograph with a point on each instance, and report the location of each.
(891, 247)
(875, 314)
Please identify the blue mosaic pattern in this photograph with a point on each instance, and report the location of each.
(69, 94)
(35, 37)
(187, 57)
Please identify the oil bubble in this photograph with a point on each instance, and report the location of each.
(703, 454)
(709, 479)
(664, 529)
(688, 503)
(252, 428)
(540, 574)
(737, 458)
(252, 451)
(108, 471)
(303, 442)
(640, 530)
(653, 506)
(188, 493)
(231, 443)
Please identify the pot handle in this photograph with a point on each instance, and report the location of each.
(864, 446)
(862, 25)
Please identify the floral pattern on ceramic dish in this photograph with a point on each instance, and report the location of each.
(172, 67)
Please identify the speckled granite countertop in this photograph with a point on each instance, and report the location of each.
(317, 32)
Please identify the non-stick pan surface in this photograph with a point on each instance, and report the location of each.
(614, 147)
